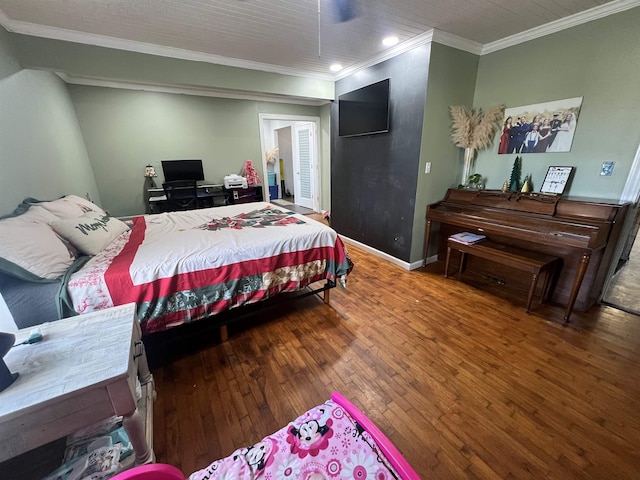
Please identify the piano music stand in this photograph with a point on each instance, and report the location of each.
(556, 180)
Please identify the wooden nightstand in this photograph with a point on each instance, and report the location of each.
(83, 371)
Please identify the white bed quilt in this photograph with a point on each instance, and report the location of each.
(184, 266)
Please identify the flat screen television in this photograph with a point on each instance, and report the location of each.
(364, 111)
(182, 170)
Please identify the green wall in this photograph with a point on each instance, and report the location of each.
(124, 130)
(90, 61)
(325, 155)
(451, 81)
(8, 64)
(599, 61)
(42, 152)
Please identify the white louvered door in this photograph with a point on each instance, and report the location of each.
(304, 163)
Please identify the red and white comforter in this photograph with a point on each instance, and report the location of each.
(184, 266)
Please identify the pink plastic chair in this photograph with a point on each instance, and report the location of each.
(152, 471)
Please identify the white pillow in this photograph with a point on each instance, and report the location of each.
(28, 244)
(38, 214)
(70, 206)
(91, 232)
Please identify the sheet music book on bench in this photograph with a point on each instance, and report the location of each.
(467, 238)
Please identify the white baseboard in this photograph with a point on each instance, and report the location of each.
(387, 257)
(432, 259)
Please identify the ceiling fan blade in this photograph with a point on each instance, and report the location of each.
(345, 10)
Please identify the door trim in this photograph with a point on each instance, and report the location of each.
(630, 193)
(316, 177)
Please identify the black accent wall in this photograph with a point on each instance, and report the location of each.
(374, 177)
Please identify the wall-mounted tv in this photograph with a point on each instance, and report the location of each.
(182, 170)
(364, 111)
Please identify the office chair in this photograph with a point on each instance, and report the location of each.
(181, 195)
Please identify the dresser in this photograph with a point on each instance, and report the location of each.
(83, 371)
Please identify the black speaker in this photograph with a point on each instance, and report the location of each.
(6, 377)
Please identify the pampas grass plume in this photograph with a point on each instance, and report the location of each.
(473, 129)
(272, 154)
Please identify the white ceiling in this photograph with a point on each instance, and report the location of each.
(289, 36)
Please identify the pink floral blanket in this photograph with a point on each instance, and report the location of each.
(326, 442)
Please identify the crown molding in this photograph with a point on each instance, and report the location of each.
(200, 92)
(26, 28)
(422, 39)
(595, 13)
(455, 41)
(427, 37)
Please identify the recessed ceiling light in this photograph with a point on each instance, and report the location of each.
(336, 67)
(390, 41)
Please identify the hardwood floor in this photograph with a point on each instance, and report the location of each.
(622, 292)
(465, 384)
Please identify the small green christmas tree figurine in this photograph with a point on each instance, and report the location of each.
(516, 171)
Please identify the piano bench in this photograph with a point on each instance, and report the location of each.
(534, 263)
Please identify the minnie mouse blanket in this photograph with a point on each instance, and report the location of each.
(332, 440)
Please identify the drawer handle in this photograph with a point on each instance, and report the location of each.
(138, 349)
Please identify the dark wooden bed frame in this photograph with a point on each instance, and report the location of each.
(164, 346)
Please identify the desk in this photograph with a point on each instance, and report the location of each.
(209, 195)
(84, 371)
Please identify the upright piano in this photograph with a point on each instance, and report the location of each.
(583, 233)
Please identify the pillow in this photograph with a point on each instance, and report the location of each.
(91, 232)
(30, 249)
(32, 213)
(70, 206)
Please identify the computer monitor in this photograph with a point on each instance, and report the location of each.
(182, 170)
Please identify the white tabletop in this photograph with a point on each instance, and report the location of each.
(76, 353)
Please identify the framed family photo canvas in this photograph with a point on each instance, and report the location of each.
(540, 128)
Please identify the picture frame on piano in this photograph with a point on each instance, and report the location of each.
(556, 180)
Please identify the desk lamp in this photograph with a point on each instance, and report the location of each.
(150, 174)
(6, 377)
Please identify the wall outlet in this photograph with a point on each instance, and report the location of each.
(427, 167)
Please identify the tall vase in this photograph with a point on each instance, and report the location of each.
(469, 155)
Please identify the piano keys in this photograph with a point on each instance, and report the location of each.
(582, 232)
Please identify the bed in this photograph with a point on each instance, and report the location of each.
(177, 267)
(330, 441)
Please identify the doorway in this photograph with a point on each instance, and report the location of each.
(622, 290)
(292, 169)
(623, 281)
